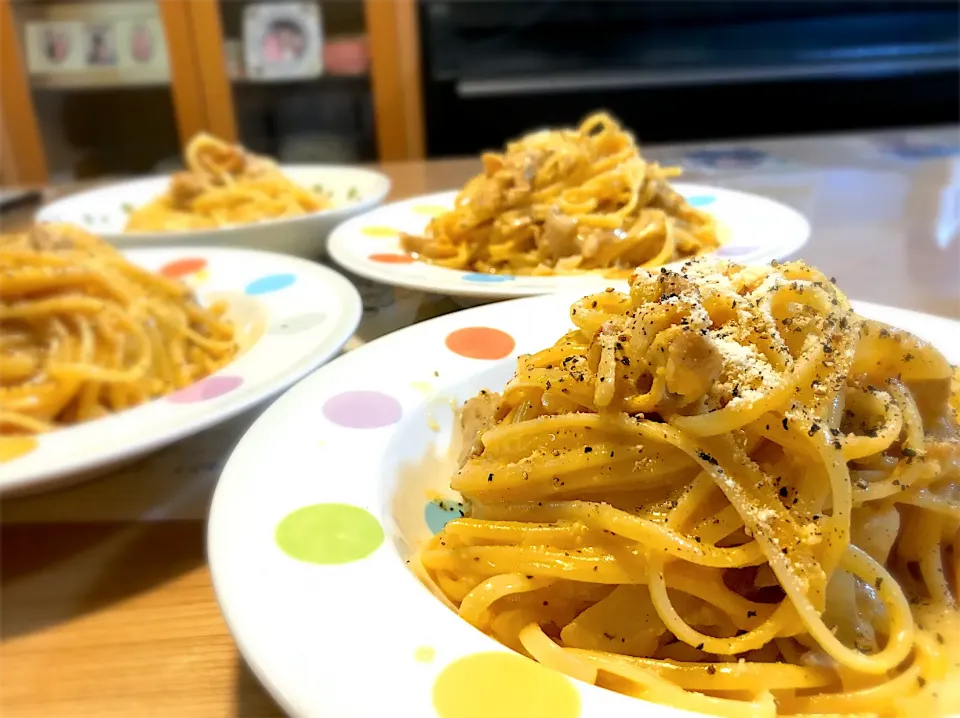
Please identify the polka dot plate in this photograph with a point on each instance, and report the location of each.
(291, 315)
(753, 229)
(339, 483)
(104, 211)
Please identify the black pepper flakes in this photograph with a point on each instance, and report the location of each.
(699, 646)
(704, 456)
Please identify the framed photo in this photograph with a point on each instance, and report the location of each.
(142, 45)
(100, 44)
(54, 47)
(94, 43)
(282, 41)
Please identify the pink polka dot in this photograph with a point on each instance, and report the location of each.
(209, 388)
(480, 343)
(362, 409)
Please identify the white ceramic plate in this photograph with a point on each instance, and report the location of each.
(756, 230)
(308, 551)
(291, 316)
(104, 212)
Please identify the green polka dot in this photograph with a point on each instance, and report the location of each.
(329, 533)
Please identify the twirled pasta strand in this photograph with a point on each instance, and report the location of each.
(84, 333)
(726, 492)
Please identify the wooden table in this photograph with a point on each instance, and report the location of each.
(107, 607)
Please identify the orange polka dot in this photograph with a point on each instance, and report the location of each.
(183, 267)
(392, 258)
(480, 343)
(379, 232)
(13, 447)
(513, 687)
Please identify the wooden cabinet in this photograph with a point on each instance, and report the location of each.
(113, 88)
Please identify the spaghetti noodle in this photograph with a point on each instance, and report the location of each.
(224, 185)
(566, 201)
(726, 492)
(84, 333)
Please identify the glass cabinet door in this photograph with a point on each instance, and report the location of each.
(299, 79)
(100, 81)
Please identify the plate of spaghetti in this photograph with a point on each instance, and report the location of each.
(725, 492)
(226, 196)
(559, 210)
(105, 355)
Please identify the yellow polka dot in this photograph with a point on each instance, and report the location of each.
(424, 387)
(202, 276)
(379, 232)
(424, 654)
(431, 210)
(13, 447)
(512, 687)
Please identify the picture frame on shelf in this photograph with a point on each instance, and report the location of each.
(53, 47)
(142, 45)
(282, 41)
(100, 44)
(94, 44)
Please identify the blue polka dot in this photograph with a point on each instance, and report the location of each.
(701, 200)
(478, 277)
(438, 512)
(270, 283)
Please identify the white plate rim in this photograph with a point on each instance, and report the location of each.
(343, 245)
(326, 340)
(156, 184)
(312, 660)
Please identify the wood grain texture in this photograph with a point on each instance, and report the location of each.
(186, 82)
(22, 158)
(206, 30)
(116, 620)
(395, 76)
